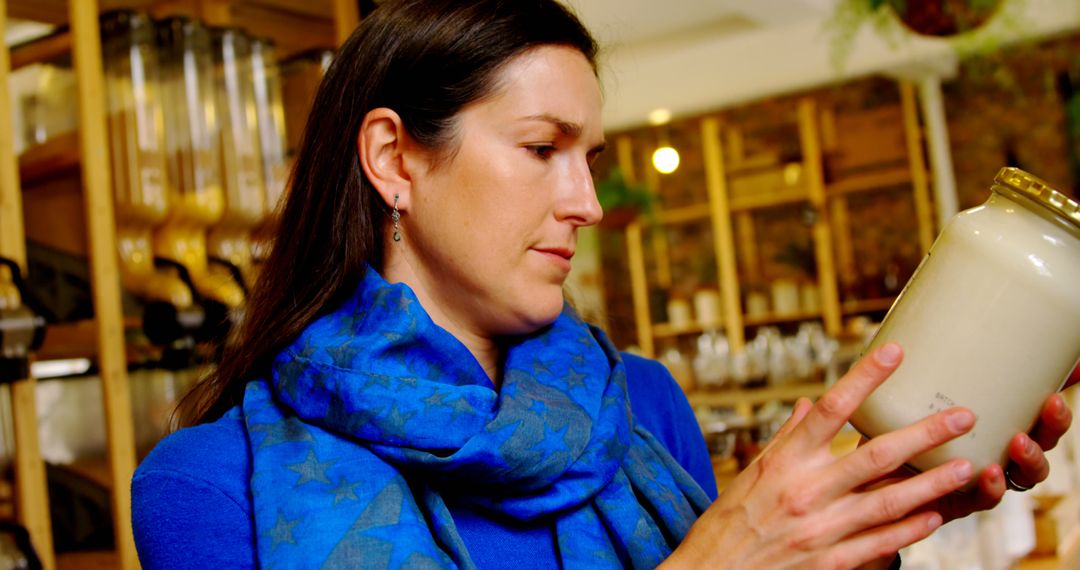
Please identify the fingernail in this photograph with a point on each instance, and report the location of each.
(1029, 446)
(934, 521)
(889, 354)
(960, 421)
(1062, 410)
(962, 470)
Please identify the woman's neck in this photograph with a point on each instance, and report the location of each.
(485, 349)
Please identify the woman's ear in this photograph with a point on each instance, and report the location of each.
(381, 145)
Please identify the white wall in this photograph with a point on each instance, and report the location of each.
(714, 73)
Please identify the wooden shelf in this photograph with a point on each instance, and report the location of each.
(48, 48)
(866, 305)
(296, 25)
(78, 339)
(756, 396)
(55, 157)
(666, 330)
(770, 200)
(874, 180)
(684, 214)
(773, 319)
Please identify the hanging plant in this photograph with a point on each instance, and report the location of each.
(943, 18)
(957, 21)
(622, 202)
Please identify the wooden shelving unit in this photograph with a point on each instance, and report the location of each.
(734, 239)
(295, 25)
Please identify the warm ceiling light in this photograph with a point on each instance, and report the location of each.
(659, 117)
(665, 159)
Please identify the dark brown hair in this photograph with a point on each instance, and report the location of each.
(424, 59)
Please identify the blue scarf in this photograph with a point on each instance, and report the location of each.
(375, 415)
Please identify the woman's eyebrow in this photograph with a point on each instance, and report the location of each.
(565, 127)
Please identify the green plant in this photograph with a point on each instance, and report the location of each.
(614, 192)
(971, 27)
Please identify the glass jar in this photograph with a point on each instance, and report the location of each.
(990, 321)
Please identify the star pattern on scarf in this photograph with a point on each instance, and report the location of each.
(553, 442)
(559, 415)
(292, 370)
(282, 532)
(311, 469)
(348, 323)
(537, 406)
(575, 378)
(354, 421)
(344, 491)
(436, 399)
(285, 430)
(461, 407)
(343, 355)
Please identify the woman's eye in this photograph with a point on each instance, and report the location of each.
(543, 151)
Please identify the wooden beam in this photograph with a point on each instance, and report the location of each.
(31, 491)
(924, 211)
(662, 259)
(346, 18)
(105, 274)
(639, 287)
(723, 234)
(845, 245)
(748, 256)
(810, 141)
(624, 149)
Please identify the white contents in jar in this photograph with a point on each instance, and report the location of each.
(990, 321)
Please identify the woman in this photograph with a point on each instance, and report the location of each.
(409, 388)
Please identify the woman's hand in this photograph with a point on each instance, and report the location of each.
(1027, 466)
(798, 506)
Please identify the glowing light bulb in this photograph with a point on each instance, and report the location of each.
(665, 159)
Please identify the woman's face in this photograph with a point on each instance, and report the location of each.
(490, 231)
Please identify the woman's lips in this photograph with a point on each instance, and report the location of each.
(558, 255)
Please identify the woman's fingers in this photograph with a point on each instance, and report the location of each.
(1029, 466)
(833, 409)
(883, 541)
(1054, 420)
(885, 453)
(987, 494)
(892, 502)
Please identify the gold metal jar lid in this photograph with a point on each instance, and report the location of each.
(1041, 192)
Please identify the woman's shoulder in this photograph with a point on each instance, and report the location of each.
(190, 501)
(660, 406)
(213, 455)
(653, 391)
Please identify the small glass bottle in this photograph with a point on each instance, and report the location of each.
(989, 321)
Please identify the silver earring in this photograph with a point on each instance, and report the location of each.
(396, 216)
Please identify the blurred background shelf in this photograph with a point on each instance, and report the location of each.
(733, 397)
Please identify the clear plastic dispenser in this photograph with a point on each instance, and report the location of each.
(241, 154)
(137, 151)
(193, 160)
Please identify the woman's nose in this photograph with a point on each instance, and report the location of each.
(579, 204)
